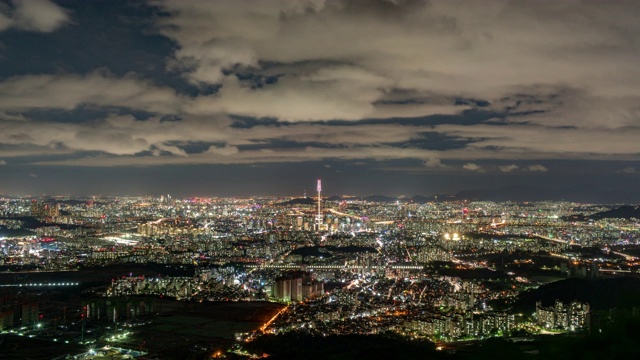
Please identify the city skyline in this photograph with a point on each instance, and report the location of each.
(198, 98)
(135, 276)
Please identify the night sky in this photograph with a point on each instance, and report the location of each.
(394, 97)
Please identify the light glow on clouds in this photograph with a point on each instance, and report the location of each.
(472, 167)
(508, 168)
(561, 76)
(539, 168)
(32, 15)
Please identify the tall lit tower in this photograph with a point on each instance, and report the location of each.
(319, 214)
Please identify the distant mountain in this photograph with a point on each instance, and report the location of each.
(601, 294)
(623, 212)
(531, 193)
(300, 201)
(67, 202)
(419, 199)
(380, 198)
(512, 193)
(515, 193)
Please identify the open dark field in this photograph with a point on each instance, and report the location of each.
(198, 327)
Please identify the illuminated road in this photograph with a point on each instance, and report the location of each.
(613, 271)
(264, 327)
(550, 239)
(625, 256)
(333, 267)
(336, 212)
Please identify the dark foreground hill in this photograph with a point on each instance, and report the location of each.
(616, 342)
(303, 346)
(601, 294)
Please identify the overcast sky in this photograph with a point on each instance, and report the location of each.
(392, 97)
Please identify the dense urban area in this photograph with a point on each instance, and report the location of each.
(148, 277)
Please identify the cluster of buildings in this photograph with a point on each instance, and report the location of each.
(572, 316)
(169, 227)
(177, 287)
(579, 270)
(462, 325)
(117, 309)
(18, 311)
(40, 209)
(297, 286)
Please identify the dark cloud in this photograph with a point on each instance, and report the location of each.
(628, 170)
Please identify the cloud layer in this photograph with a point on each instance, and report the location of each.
(453, 85)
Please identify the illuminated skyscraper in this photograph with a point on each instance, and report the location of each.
(319, 213)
